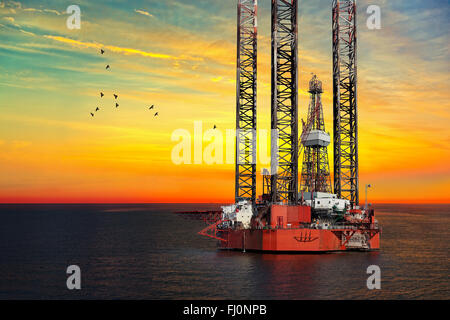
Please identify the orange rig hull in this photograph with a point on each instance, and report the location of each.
(289, 229)
(299, 240)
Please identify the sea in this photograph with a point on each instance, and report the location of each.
(146, 251)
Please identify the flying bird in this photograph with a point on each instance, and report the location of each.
(214, 127)
(151, 107)
(107, 67)
(117, 104)
(97, 109)
(102, 51)
(92, 114)
(101, 94)
(115, 96)
(156, 114)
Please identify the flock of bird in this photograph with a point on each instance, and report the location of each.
(108, 67)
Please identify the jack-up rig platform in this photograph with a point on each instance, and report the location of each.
(290, 216)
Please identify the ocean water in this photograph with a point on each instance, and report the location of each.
(147, 252)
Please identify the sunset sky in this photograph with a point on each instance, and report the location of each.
(180, 56)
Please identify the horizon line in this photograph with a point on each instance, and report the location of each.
(84, 203)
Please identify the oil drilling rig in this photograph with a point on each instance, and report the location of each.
(288, 216)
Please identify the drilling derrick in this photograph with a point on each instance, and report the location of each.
(345, 116)
(246, 101)
(315, 175)
(284, 184)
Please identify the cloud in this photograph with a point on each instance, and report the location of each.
(145, 13)
(27, 32)
(126, 51)
(43, 10)
(18, 5)
(52, 11)
(32, 10)
(11, 21)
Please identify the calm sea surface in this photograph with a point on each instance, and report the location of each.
(146, 252)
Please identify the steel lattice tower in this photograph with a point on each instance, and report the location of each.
(246, 101)
(315, 175)
(344, 101)
(284, 102)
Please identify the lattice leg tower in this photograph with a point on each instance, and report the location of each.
(246, 101)
(284, 101)
(344, 101)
